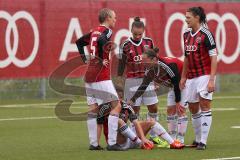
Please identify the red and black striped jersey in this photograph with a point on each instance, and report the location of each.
(172, 60)
(97, 39)
(166, 72)
(198, 47)
(131, 56)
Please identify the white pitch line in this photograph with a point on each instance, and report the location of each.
(36, 105)
(236, 127)
(33, 118)
(226, 97)
(224, 109)
(223, 158)
(26, 118)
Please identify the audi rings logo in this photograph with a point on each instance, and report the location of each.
(137, 58)
(220, 36)
(12, 27)
(191, 48)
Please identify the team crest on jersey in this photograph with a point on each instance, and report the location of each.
(146, 47)
(198, 39)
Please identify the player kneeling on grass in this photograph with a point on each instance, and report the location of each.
(134, 135)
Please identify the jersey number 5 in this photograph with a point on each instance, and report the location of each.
(93, 47)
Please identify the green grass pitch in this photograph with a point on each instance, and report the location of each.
(52, 139)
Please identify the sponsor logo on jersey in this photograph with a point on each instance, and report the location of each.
(191, 48)
(137, 58)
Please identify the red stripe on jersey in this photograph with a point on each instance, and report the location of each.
(200, 56)
(193, 58)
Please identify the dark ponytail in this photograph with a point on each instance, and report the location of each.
(198, 11)
(138, 23)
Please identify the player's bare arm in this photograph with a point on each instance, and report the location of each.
(211, 83)
(184, 74)
(140, 132)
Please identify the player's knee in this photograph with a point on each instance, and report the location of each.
(136, 109)
(205, 104)
(171, 110)
(116, 108)
(121, 122)
(194, 108)
(150, 123)
(153, 108)
(205, 107)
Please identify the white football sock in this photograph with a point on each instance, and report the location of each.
(112, 129)
(172, 126)
(196, 122)
(92, 128)
(182, 128)
(128, 133)
(206, 125)
(160, 131)
(156, 118)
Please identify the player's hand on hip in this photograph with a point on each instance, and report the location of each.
(105, 62)
(211, 86)
(182, 83)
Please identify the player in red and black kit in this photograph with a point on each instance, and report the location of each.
(131, 52)
(167, 71)
(133, 136)
(99, 87)
(199, 70)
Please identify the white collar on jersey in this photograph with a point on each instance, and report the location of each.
(134, 42)
(195, 32)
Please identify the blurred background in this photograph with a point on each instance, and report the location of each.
(37, 37)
